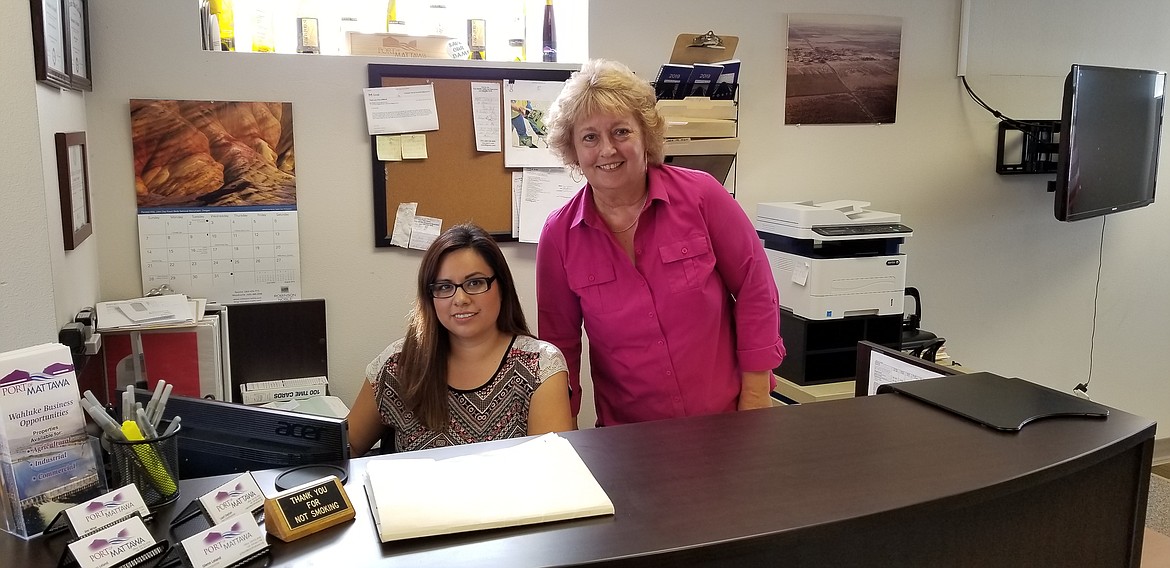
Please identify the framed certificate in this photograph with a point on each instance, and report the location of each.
(73, 181)
(49, 37)
(76, 24)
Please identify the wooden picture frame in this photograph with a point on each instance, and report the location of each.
(73, 183)
(49, 42)
(77, 63)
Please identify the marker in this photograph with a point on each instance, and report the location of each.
(155, 469)
(174, 425)
(162, 404)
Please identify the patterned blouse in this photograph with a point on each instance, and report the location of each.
(496, 410)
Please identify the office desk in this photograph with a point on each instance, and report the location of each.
(880, 480)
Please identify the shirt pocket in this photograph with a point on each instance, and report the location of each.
(687, 263)
(596, 286)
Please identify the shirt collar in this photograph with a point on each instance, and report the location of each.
(588, 214)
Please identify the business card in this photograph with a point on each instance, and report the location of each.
(226, 543)
(112, 545)
(105, 509)
(241, 495)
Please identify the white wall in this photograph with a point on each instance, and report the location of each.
(1010, 288)
(41, 285)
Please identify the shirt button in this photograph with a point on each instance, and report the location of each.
(677, 399)
(637, 251)
(684, 250)
(669, 373)
(651, 314)
(592, 278)
(660, 343)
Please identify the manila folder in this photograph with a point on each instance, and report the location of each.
(537, 481)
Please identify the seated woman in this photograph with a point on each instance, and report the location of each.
(468, 369)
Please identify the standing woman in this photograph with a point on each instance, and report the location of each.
(468, 369)
(659, 263)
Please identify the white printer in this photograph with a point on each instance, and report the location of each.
(834, 259)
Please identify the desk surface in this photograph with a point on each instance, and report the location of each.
(786, 484)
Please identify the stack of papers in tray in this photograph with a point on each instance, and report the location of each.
(152, 311)
(537, 481)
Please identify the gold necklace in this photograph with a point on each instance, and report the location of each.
(636, 217)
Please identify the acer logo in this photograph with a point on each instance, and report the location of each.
(298, 430)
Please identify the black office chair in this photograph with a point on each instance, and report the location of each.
(915, 341)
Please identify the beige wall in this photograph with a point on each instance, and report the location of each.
(1011, 289)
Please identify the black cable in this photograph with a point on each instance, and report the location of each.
(1084, 387)
(1021, 125)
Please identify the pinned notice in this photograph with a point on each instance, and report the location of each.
(395, 110)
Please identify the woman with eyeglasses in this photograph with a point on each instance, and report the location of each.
(468, 370)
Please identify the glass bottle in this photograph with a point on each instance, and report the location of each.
(225, 15)
(263, 34)
(308, 32)
(517, 33)
(393, 24)
(550, 33)
(477, 38)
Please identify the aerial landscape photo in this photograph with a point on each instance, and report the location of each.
(842, 69)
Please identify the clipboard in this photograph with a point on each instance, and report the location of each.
(703, 48)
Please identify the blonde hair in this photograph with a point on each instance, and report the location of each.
(603, 86)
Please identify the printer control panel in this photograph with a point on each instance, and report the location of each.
(861, 230)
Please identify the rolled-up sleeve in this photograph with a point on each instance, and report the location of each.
(557, 306)
(741, 262)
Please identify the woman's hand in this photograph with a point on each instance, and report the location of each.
(755, 392)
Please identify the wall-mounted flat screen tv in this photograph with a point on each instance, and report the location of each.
(1110, 128)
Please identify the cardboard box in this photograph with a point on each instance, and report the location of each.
(283, 390)
(397, 45)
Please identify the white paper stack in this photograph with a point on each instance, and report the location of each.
(538, 481)
(148, 312)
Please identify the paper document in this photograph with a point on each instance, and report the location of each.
(537, 481)
(485, 116)
(152, 311)
(543, 190)
(394, 110)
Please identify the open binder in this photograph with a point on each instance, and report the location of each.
(537, 481)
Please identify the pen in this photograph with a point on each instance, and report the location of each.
(174, 425)
(150, 406)
(144, 425)
(103, 420)
(162, 404)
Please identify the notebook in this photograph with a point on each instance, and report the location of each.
(537, 481)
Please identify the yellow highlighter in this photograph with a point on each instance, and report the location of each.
(155, 469)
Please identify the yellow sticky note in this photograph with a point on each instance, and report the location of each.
(389, 148)
(414, 146)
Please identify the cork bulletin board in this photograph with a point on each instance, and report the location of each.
(455, 182)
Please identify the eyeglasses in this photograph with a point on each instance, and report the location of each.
(471, 286)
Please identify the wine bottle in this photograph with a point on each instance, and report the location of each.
(308, 34)
(477, 38)
(224, 13)
(550, 33)
(393, 24)
(263, 34)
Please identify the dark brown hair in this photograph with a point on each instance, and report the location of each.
(422, 375)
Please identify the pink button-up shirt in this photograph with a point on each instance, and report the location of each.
(671, 332)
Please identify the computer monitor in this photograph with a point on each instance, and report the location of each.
(217, 438)
(878, 365)
(269, 341)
